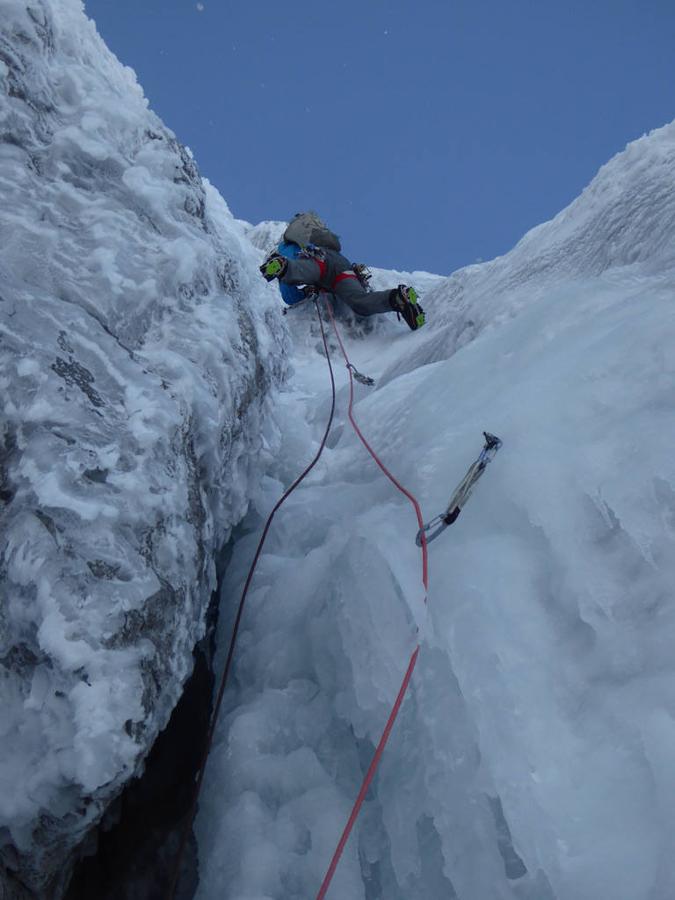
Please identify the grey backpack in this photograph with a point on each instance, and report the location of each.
(307, 228)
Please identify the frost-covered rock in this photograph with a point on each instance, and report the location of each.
(137, 347)
(266, 235)
(532, 758)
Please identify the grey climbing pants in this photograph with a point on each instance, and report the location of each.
(334, 274)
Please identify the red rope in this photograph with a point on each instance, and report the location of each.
(358, 803)
(235, 631)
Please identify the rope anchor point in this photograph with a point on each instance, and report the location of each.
(439, 523)
(359, 376)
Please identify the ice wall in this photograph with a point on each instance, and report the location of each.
(138, 345)
(533, 755)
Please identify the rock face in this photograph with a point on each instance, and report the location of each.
(137, 349)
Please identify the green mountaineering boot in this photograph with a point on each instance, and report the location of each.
(404, 302)
(274, 267)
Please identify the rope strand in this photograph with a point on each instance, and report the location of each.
(235, 631)
(372, 768)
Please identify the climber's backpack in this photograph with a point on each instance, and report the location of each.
(307, 228)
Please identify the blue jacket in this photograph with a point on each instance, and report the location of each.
(290, 293)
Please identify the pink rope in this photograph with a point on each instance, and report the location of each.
(372, 768)
(235, 631)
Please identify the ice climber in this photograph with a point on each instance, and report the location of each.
(310, 255)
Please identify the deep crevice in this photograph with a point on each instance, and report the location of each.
(131, 856)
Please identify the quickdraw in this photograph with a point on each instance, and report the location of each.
(462, 493)
(359, 376)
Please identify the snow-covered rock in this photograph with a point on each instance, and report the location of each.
(266, 235)
(138, 345)
(533, 756)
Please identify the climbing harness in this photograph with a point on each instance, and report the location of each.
(235, 631)
(462, 493)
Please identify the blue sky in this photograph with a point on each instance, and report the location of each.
(428, 134)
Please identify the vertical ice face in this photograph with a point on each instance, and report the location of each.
(137, 349)
(533, 757)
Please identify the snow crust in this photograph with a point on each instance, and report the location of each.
(138, 346)
(533, 757)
